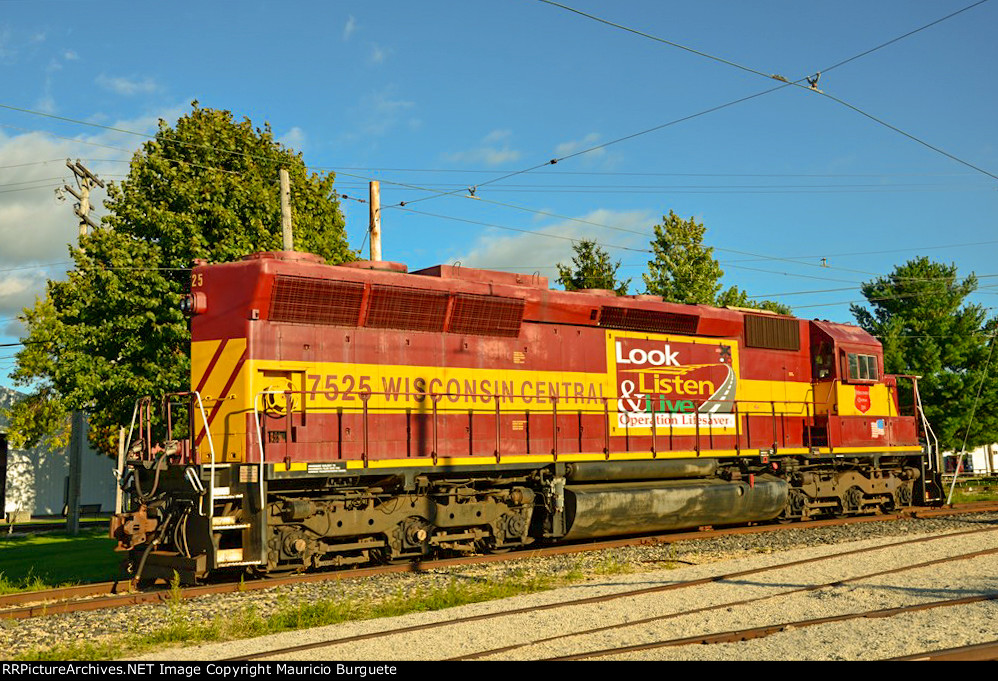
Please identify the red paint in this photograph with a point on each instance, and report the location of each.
(559, 332)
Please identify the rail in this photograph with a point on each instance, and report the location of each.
(655, 429)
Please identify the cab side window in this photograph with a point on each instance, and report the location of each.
(862, 367)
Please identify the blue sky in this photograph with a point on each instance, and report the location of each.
(439, 96)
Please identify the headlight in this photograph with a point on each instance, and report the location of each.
(194, 303)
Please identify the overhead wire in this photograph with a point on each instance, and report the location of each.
(394, 183)
(755, 71)
(798, 83)
(785, 83)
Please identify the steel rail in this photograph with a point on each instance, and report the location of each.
(108, 595)
(982, 652)
(615, 596)
(729, 604)
(738, 635)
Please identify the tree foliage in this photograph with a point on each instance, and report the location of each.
(684, 271)
(591, 268)
(919, 314)
(206, 188)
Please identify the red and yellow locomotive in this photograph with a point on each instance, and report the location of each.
(355, 413)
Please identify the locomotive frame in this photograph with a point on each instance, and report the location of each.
(357, 413)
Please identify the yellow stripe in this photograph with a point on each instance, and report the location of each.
(201, 354)
(867, 450)
(355, 464)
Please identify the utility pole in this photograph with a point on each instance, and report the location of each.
(375, 225)
(85, 181)
(287, 234)
(75, 471)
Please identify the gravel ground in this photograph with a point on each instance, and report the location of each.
(632, 567)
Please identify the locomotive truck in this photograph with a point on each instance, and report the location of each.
(358, 413)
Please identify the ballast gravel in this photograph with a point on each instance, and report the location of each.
(619, 570)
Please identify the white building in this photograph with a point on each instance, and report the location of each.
(980, 461)
(37, 480)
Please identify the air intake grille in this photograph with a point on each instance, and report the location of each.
(486, 315)
(306, 300)
(398, 307)
(772, 333)
(648, 320)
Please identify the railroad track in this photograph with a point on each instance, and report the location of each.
(103, 595)
(982, 652)
(342, 648)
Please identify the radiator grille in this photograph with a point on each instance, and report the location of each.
(307, 300)
(772, 333)
(398, 307)
(648, 320)
(486, 315)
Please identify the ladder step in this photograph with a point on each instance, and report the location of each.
(229, 556)
(221, 527)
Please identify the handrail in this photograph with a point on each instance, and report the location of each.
(192, 395)
(778, 411)
(146, 402)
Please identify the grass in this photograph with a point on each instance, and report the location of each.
(45, 561)
(180, 629)
(971, 493)
(971, 489)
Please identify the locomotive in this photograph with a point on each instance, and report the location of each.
(348, 414)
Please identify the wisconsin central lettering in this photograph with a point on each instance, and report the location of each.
(488, 391)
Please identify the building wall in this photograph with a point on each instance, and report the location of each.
(980, 461)
(37, 480)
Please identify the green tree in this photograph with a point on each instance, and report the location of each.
(927, 329)
(684, 271)
(206, 188)
(735, 297)
(591, 268)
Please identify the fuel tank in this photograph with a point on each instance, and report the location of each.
(662, 469)
(603, 510)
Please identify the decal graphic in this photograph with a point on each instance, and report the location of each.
(681, 383)
(862, 400)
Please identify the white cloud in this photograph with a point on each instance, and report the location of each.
(18, 290)
(293, 138)
(548, 246)
(349, 27)
(575, 146)
(381, 112)
(36, 229)
(45, 104)
(126, 86)
(379, 54)
(7, 50)
(493, 150)
(70, 55)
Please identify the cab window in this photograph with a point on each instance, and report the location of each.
(862, 367)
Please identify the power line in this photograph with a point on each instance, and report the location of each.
(606, 144)
(524, 231)
(812, 83)
(902, 37)
(410, 186)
